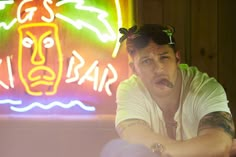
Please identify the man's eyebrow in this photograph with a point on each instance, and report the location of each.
(163, 53)
(145, 56)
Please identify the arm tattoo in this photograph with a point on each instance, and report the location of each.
(129, 123)
(219, 119)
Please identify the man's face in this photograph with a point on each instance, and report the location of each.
(157, 66)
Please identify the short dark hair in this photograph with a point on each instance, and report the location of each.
(138, 38)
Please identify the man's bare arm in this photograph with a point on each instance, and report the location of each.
(214, 139)
(215, 134)
(218, 120)
(139, 131)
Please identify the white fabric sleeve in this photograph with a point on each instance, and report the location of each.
(130, 103)
(211, 97)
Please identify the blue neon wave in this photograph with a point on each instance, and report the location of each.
(12, 102)
(53, 104)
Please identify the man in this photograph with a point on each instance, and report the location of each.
(173, 109)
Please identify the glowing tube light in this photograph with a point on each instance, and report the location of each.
(119, 21)
(86, 75)
(3, 4)
(76, 69)
(111, 36)
(2, 7)
(7, 27)
(104, 76)
(12, 102)
(10, 75)
(95, 83)
(50, 11)
(79, 23)
(2, 83)
(53, 104)
(110, 81)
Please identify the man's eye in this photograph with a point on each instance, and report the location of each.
(164, 57)
(147, 61)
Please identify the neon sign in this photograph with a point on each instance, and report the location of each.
(57, 63)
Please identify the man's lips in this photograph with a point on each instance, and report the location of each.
(165, 82)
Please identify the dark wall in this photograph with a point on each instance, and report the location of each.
(205, 34)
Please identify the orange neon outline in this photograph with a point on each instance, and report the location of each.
(60, 57)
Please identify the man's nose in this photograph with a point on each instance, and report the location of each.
(158, 66)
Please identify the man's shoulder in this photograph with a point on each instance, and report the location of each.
(133, 84)
(189, 70)
(132, 81)
(194, 79)
(193, 73)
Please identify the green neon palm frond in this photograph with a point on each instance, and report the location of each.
(5, 22)
(80, 16)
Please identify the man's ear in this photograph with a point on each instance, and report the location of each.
(178, 57)
(132, 67)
